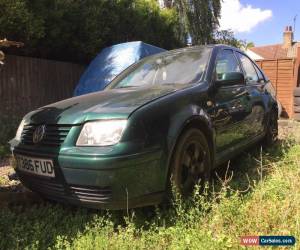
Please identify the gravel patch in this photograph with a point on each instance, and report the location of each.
(289, 129)
(5, 183)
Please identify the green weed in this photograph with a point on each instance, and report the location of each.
(255, 194)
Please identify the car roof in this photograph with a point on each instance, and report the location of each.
(197, 47)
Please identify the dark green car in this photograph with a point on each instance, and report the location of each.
(172, 117)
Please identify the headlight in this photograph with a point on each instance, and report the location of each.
(101, 133)
(20, 130)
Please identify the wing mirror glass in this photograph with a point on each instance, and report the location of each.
(230, 78)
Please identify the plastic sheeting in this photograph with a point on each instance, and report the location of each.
(111, 62)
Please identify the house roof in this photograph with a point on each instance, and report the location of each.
(276, 51)
(253, 55)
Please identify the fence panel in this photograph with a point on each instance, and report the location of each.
(281, 74)
(28, 83)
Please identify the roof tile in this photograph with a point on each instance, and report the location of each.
(275, 51)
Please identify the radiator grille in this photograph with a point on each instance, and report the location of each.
(54, 135)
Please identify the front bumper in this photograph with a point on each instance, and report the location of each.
(96, 181)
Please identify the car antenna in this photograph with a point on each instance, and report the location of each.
(295, 19)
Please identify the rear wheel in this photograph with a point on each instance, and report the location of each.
(272, 129)
(191, 162)
(297, 92)
(297, 101)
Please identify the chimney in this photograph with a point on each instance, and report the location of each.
(288, 37)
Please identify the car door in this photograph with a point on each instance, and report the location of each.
(231, 105)
(255, 87)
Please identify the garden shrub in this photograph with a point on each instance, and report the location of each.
(8, 128)
(77, 30)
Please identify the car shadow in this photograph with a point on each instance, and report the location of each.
(250, 166)
(42, 223)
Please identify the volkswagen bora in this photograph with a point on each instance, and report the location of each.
(170, 118)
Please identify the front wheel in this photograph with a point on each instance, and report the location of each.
(191, 162)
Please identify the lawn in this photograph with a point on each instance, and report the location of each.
(256, 194)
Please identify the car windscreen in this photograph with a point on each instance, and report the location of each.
(184, 67)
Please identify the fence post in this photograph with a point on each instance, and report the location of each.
(276, 82)
(296, 69)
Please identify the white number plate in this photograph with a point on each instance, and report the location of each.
(37, 166)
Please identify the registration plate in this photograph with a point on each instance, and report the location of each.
(37, 166)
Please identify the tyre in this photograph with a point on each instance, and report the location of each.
(272, 129)
(191, 162)
(297, 101)
(297, 116)
(297, 92)
(297, 109)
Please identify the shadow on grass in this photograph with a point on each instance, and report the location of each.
(41, 224)
(251, 166)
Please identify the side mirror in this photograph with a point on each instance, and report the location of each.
(230, 78)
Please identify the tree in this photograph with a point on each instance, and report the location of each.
(199, 18)
(76, 30)
(18, 22)
(227, 37)
(245, 45)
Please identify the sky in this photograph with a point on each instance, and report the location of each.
(260, 21)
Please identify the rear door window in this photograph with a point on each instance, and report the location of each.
(250, 71)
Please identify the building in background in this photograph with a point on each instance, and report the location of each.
(253, 55)
(281, 63)
(286, 49)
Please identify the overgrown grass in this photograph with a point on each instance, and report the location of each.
(8, 128)
(3, 181)
(258, 194)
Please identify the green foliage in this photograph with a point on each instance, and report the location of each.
(260, 198)
(199, 18)
(18, 22)
(8, 128)
(203, 19)
(3, 181)
(244, 44)
(76, 30)
(227, 37)
(4, 151)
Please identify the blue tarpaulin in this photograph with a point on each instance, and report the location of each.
(111, 62)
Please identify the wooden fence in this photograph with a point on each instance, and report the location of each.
(282, 73)
(28, 83)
